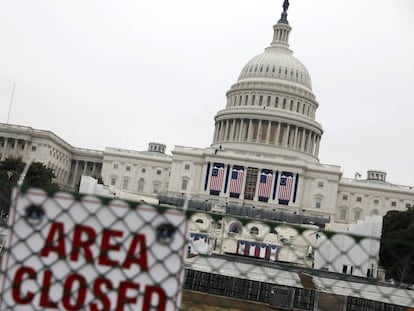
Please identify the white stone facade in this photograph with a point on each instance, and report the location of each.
(68, 163)
(264, 152)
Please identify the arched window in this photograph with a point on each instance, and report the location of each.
(254, 231)
(125, 183)
(235, 227)
(357, 214)
(141, 184)
(184, 184)
(343, 213)
(156, 187)
(318, 202)
(113, 181)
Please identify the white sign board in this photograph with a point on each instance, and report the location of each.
(81, 254)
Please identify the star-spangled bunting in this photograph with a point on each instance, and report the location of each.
(265, 184)
(285, 187)
(216, 180)
(236, 181)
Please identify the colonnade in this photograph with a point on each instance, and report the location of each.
(267, 132)
(10, 148)
(77, 173)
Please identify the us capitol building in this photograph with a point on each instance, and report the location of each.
(263, 156)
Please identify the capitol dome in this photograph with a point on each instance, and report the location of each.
(271, 108)
(277, 63)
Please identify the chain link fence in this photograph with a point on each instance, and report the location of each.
(64, 251)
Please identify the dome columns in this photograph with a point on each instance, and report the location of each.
(267, 132)
(281, 35)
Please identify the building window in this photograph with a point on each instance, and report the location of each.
(141, 184)
(284, 103)
(318, 202)
(128, 168)
(115, 166)
(357, 215)
(320, 184)
(276, 102)
(113, 181)
(34, 148)
(157, 187)
(125, 184)
(376, 201)
(187, 166)
(345, 197)
(393, 204)
(184, 184)
(158, 172)
(359, 199)
(143, 170)
(254, 231)
(342, 214)
(236, 227)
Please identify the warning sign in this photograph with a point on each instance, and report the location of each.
(81, 254)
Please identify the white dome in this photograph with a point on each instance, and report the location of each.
(277, 63)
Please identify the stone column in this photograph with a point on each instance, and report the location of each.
(75, 173)
(3, 155)
(277, 134)
(310, 142)
(302, 140)
(241, 130)
(259, 132)
(269, 125)
(223, 130)
(232, 129)
(84, 167)
(250, 131)
(285, 136)
(93, 169)
(226, 132)
(317, 145)
(26, 145)
(16, 143)
(295, 139)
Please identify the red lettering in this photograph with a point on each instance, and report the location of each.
(106, 246)
(69, 292)
(44, 297)
(122, 295)
(99, 294)
(161, 301)
(55, 229)
(142, 260)
(78, 243)
(17, 282)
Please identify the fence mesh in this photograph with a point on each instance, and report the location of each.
(70, 252)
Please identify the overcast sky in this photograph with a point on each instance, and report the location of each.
(123, 73)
